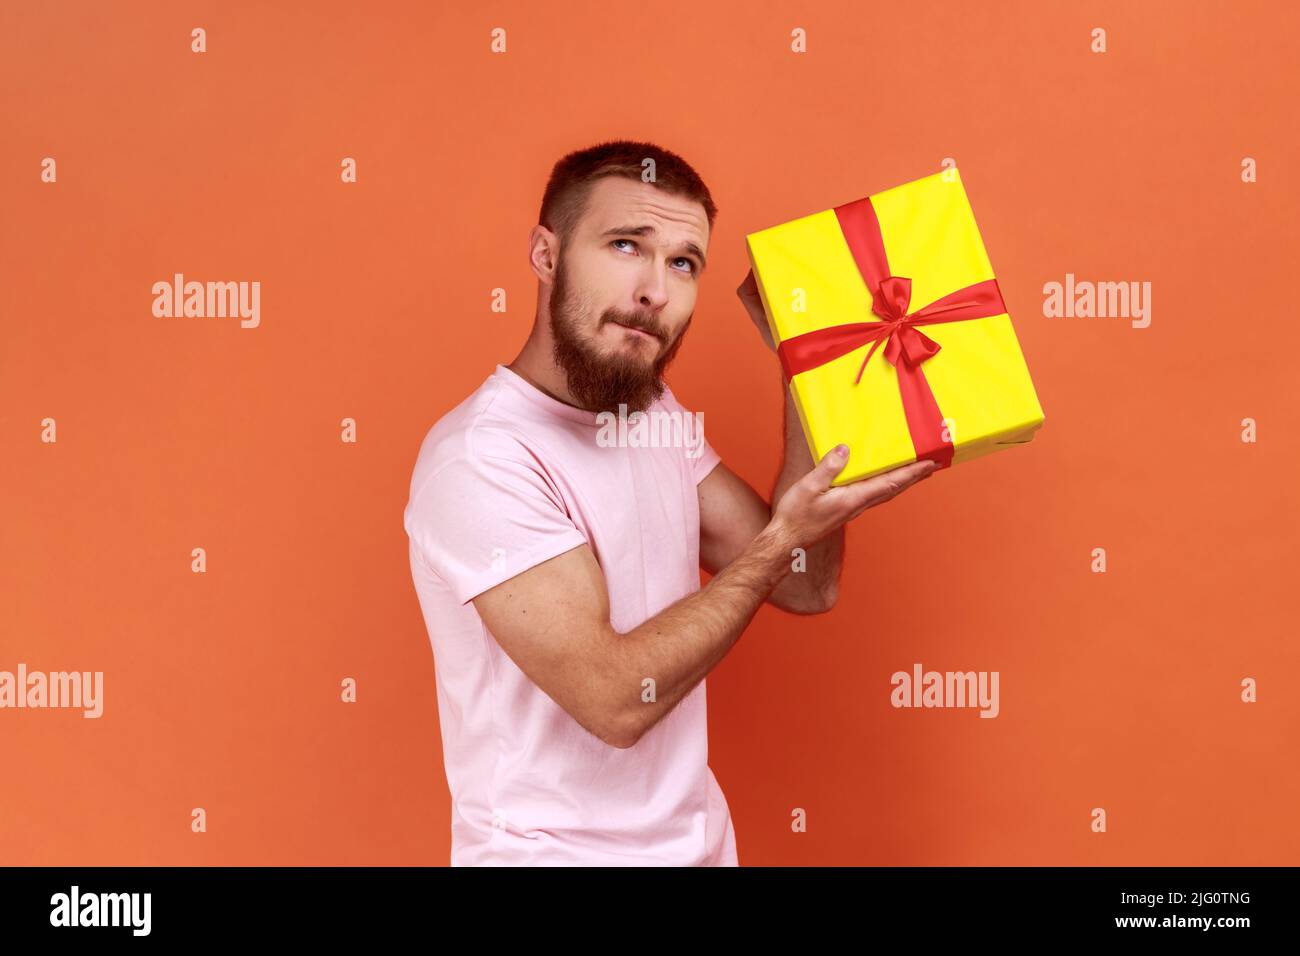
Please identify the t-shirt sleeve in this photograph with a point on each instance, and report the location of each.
(481, 520)
(699, 453)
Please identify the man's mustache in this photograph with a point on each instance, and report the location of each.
(637, 322)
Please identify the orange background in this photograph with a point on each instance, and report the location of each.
(1118, 690)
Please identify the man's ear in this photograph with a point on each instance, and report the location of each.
(543, 253)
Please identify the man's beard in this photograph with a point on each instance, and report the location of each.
(598, 382)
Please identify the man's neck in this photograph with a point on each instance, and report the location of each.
(535, 364)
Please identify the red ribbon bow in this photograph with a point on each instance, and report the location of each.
(891, 298)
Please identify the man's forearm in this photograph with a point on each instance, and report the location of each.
(814, 587)
(678, 646)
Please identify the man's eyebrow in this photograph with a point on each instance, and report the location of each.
(650, 231)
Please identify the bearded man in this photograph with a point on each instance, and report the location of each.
(559, 575)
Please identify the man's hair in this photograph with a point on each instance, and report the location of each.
(572, 177)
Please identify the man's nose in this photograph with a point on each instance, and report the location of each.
(652, 290)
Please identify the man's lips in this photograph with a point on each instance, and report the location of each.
(636, 331)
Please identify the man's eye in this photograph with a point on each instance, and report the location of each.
(689, 262)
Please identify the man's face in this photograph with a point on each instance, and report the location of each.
(624, 292)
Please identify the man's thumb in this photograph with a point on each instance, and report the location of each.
(831, 465)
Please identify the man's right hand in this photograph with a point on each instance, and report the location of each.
(812, 508)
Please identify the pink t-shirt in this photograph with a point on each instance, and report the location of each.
(507, 479)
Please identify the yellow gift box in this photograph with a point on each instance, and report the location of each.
(892, 331)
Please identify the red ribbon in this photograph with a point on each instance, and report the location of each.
(906, 347)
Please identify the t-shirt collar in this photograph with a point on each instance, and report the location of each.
(539, 398)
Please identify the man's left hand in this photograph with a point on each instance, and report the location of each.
(753, 302)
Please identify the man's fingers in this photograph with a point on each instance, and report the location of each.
(882, 487)
(917, 470)
(748, 285)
